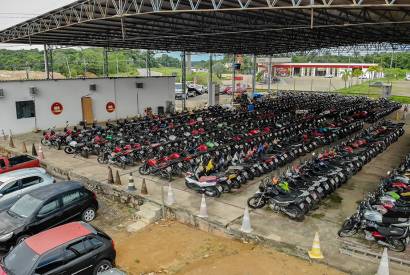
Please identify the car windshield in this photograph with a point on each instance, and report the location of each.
(20, 254)
(25, 206)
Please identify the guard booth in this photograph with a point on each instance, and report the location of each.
(385, 88)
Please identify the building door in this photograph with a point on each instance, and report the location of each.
(87, 106)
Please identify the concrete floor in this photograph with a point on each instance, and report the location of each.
(277, 230)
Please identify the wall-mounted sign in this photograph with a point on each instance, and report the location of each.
(56, 108)
(110, 107)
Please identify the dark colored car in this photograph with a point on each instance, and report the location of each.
(44, 208)
(73, 248)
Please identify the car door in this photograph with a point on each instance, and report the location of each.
(72, 205)
(81, 257)
(48, 216)
(9, 194)
(52, 263)
(30, 183)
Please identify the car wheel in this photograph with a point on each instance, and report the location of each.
(21, 239)
(88, 214)
(102, 266)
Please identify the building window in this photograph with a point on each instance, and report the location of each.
(25, 109)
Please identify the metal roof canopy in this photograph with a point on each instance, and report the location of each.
(219, 26)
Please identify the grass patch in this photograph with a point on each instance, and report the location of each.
(317, 215)
(401, 99)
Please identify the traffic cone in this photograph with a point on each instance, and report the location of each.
(24, 148)
(315, 253)
(33, 151)
(110, 176)
(40, 153)
(246, 221)
(171, 196)
(117, 178)
(203, 210)
(131, 185)
(384, 264)
(144, 190)
(11, 143)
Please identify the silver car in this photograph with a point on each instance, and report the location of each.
(15, 184)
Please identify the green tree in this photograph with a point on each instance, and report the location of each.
(345, 77)
(218, 69)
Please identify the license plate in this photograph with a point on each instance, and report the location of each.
(302, 206)
(228, 181)
(305, 148)
(314, 196)
(122, 158)
(253, 170)
(300, 150)
(340, 174)
(276, 160)
(327, 186)
(320, 189)
(245, 174)
(285, 155)
(282, 157)
(308, 200)
(239, 178)
(337, 180)
(180, 165)
(169, 169)
(331, 181)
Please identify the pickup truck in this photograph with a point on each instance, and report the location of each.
(18, 162)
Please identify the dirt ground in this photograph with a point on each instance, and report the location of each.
(169, 247)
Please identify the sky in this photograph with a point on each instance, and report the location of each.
(17, 11)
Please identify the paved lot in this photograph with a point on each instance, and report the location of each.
(226, 212)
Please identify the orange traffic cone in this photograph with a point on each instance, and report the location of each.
(144, 190)
(110, 176)
(40, 153)
(117, 178)
(24, 148)
(315, 252)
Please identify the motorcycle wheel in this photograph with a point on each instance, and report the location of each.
(69, 150)
(236, 184)
(256, 202)
(396, 245)
(45, 142)
(102, 160)
(212, 192)
(143, 170)
(348, 229)
(295, 213)
(225, 187)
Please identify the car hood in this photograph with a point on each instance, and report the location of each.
(9, 223)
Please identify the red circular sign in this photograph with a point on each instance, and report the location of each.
(110, 107)
(56, 108)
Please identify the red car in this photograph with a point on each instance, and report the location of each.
(74, 248)
(18, 162)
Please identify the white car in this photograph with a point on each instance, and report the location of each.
(408, 76)
(15, 184)
(329, 76)
(179, 94)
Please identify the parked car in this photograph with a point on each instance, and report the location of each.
(179, 93)
(408, 76)
(44, 208)
(363, 76)
(329, 76)
(15, 184)
(18, 162)
(74, 248)
(113, 271)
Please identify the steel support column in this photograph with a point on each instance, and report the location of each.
(183, 80)
(46, 62)
(233, 78)
(211, 92)
(254, 75)
(105, 64)
(270, 74)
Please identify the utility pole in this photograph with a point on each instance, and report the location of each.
(270, 74)
(46, 68)
(68, 66)
(183, 63)
(233, 78)
(105, 62)
(254, 75)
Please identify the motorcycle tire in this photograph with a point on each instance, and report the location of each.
(143, 171)
(396, 245)
(212, 192)
(347, 230)
(256, 202)
(69, 150)
(102, 160)
(294, 213)
(225, 187)
(45, 142)
(235, 184)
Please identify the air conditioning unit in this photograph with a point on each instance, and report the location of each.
(33, 91)
(2, 93)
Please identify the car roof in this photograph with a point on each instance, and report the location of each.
(17, 174)
(55, 237)
(49, 191)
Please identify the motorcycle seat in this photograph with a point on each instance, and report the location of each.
(207, 178)
(391, 231)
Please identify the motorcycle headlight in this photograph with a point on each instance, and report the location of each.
(6, 237)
